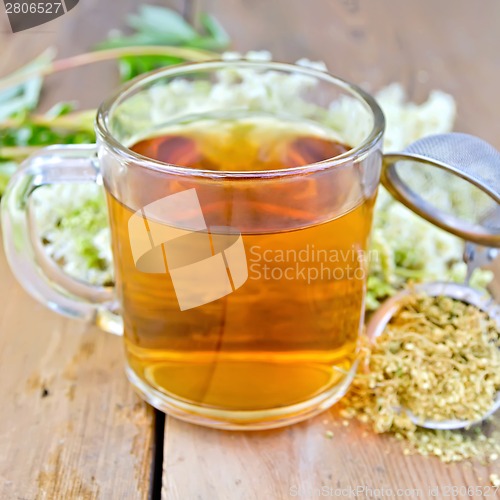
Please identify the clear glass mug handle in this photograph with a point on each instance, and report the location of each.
(36, 272)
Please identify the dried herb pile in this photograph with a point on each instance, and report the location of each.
(440, 359)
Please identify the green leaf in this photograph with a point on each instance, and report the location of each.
(60, 109)
(204, 42)
(131, 66)
(155, 25)
(215, 30)
(23, 98)
(162, 22)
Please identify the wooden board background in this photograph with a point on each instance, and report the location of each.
(70, 427)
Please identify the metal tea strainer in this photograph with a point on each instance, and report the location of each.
(467, 169)
(460, 159)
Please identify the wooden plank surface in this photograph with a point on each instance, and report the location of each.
(449, 45)
(70, 426)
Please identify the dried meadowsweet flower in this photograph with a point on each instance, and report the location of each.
(440, 359)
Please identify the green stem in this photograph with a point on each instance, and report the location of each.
(106, 55)
(17, 153)
(81, 120)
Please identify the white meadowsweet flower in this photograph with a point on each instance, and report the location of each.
(231, 56)
(406, 121)
(258, 56)
(307, 63)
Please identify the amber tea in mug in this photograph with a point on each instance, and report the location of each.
(295, 193)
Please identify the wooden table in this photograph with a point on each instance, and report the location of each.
(71, 426)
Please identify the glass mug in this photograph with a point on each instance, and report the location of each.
(240, 198)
